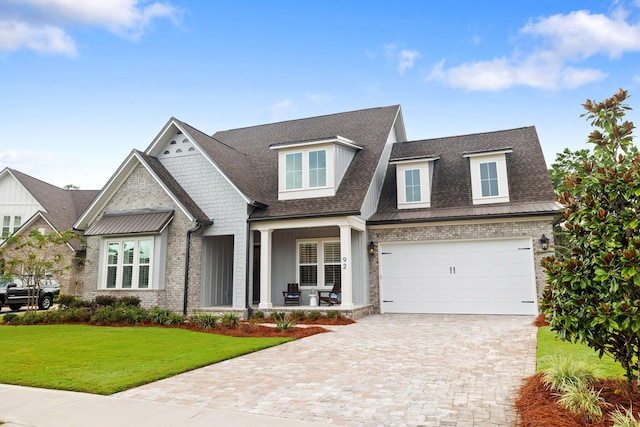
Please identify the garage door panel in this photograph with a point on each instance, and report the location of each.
(490, 276)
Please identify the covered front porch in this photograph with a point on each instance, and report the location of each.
(316, 254)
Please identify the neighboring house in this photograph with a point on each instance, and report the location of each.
(27, 203)
(225, 222)
(459, 224)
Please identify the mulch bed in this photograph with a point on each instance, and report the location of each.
(537, 406)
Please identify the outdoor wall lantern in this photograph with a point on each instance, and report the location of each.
(544, 241)
(371, 248)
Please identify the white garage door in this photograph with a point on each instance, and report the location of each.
(471, 277)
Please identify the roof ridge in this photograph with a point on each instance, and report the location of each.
(307, 118)
(468, 134)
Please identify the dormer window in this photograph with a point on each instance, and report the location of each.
(312, 168)
(489, 183)
(413, 179)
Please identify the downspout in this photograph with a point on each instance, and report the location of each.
(199, 223)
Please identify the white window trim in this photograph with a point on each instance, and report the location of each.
(320, 261)
(306, 191)
(105, 262)
(426, 174)
(503, 183)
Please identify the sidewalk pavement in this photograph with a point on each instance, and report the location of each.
(34, 407)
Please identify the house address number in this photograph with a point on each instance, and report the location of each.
(344, 263)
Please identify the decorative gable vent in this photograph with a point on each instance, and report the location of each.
(178, 145)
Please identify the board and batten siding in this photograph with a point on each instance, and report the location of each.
(222, 203)
(15, 200)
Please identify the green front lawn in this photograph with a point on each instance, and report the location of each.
(105, 360)
(549, 345)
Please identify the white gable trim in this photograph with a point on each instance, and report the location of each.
(28, 223)
(8, 172)
(116, 181)
(162, 139)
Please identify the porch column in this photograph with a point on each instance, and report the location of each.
(347, 269)
(265, 269)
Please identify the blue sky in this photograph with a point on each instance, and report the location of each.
(84, 83)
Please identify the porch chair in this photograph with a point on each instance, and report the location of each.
(331, 297)
(292, 294)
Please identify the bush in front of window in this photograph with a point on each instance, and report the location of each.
(120, 315)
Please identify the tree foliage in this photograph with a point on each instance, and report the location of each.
(35, 256)
(566, 164)
(593, 290)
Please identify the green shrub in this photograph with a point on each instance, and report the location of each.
(298, 315)
(203, 320)
(582, 400)
(626, 419)
(258, 314)
(33, 318)
(314, 315)
(12, 318)
(284, 322)
(333, 314)
(162, 316)
(105, 300)
(111, 315)
(229, 320)
(54, 316)
(79, 314)
(277, 315)
(129, 301)
(68, 301)
(564, 372)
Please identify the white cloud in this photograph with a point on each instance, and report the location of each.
(42, 25)
(15, 35)
(28, 162)
(564, 42)
(403, 58)
(406, 59)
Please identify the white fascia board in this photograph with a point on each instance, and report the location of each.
(352, 221)
(398, 125)
(416, 160)
(28, 223)
(9, 173)
(338, 140)
(488, 153)
(162, 139)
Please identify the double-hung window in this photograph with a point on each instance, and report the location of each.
(293, 171)
(317, 168)
(412, 185)
(128, 264)
(318, 262)
(6, 226)
(489, 183)
(489, 179)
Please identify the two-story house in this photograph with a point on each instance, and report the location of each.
(224, 222)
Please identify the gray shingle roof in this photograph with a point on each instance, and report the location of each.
(244, 155)
(530, 187)
(172, 185)
(62, 206)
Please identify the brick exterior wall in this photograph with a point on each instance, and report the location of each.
(72, 280)
(533, 228)
(141, 190)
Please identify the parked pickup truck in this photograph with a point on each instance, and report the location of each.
(15, 294)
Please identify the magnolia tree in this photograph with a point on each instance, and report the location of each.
(34, 257)
(593, 289)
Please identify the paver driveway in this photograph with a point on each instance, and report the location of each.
(433, 370)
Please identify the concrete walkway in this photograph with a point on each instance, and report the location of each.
(385, 370)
